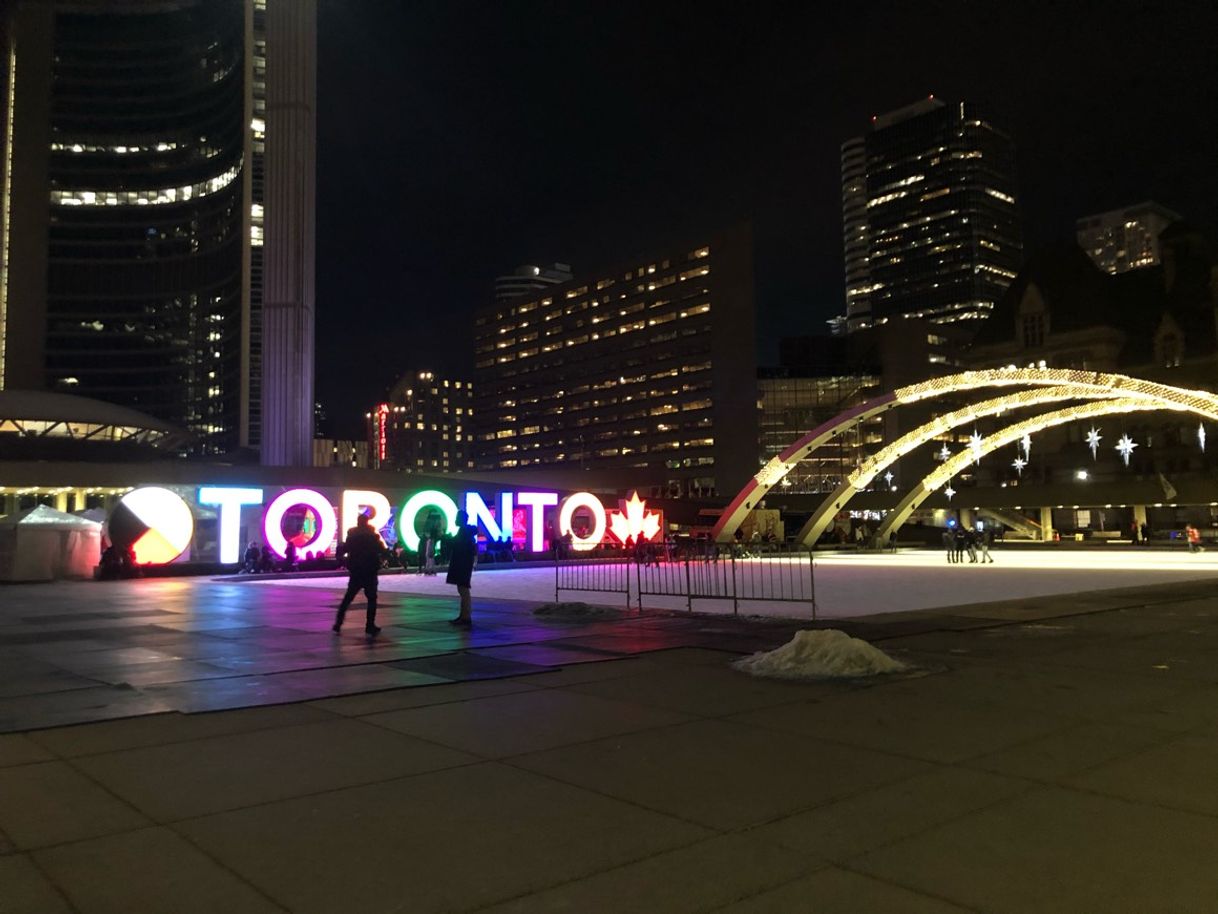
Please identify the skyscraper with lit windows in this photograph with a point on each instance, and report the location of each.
(424, 425)
(1125, 239)
(929, 216)
(649, 364)
(156, 225)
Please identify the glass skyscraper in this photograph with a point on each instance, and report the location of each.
(929, 215)
(142, 224)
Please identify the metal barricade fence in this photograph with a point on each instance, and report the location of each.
(592, 576)
(770, 573)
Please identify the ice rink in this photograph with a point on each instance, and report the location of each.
(852, 584)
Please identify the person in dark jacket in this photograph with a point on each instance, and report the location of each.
(461, 566)
(363, 548)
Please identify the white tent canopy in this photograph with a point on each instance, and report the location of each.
(42, 544)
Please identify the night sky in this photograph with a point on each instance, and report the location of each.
(457, 140)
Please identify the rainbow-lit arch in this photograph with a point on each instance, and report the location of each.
(954, 464)
(1112, 385)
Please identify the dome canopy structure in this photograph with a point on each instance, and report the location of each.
(37, 424)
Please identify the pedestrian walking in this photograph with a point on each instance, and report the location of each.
(1194, 539)
(987, 540)
(363, 548)
(461, 567)
(970, 543)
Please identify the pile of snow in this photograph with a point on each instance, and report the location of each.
(576, 611)
(824, 654)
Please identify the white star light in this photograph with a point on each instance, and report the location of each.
(974, 445)
(1019, 463)
(944, 453)
(1125, 446)
(888, 478)
(1093, 440)
(949, 491)
(1027, 446)
(1201, 436)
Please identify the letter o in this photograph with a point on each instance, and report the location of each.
(272, 521)
(407, 534)
(567, 512)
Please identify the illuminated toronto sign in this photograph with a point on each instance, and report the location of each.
(315, 523)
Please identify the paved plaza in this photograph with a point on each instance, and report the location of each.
(193, 745)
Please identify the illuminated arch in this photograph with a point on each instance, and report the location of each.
(778, 467)
(953, 465)
(862, 477)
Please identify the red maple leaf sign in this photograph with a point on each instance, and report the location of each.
(636, 521)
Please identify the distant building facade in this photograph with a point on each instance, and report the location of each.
(424, 426)
(823, 376)
(929, 217)
(156, 194)
(1158, 323)
(1125, 239)
(526, 280)
(651, 364)
(332, 452)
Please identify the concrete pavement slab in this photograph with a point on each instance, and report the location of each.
(26, 890)
(531, 721)
(1193, 710)
(837, 891)
(182, 780)
(172, 727)
(395, 699)
(1061, 852)
(699, 877)
(16, 749)
(97, 876)
(1181, 775)
(888, 720)
(702, 689)
(51, 802)
(1059, 755)
(721, 774)
(449, 840)
(864, 821)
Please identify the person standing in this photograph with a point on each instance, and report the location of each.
(461, 567)
(987, 540)
(363, 547)
(253, 555)
(949, 543)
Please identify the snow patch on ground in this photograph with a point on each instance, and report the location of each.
(823, 654)
(576, 610)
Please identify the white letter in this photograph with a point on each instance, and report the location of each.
(230, 502)
(536, 502)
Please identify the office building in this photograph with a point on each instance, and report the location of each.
(529, 279)
(333, 452)
(1125, 239)
(157, 217)
(819, 377)
(424, 425)
(650, 364)
(929, 217)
